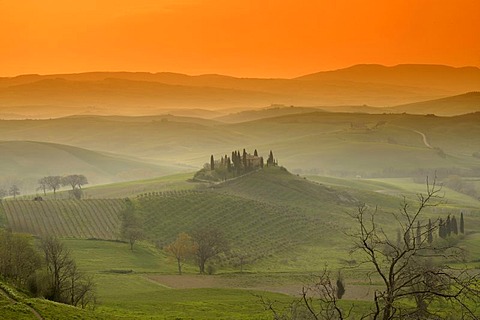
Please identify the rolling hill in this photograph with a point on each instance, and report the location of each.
(456, 105)
(326, 143)
(24, 162)
(147, 93)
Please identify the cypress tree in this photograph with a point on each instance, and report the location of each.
(462, 226)
(229, 165)
(270, 160)
(441, 229)
(244, 159)
(255, 153)
(212, 163)
(448, 226)
(430, 232)
(453, 225)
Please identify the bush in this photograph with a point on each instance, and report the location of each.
(211, 269)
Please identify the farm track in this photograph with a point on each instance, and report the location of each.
(424, 138)
(14, 301)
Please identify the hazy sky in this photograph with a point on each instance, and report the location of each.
(269, 38)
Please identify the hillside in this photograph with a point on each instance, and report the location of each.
(24, 162)
(325, 143)
(147, 93)
(456, 105)
(15, 305)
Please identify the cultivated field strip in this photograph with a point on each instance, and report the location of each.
(89, 218)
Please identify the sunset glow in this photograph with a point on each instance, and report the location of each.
(281, 38)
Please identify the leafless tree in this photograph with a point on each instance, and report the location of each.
(210, 243)
(14, 191)
(74, 181)
(53, 183)
(416, 273)
(411, 269)
(66, 283)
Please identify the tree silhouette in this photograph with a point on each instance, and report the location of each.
(209, 243)
(462, 225)
(14, 191)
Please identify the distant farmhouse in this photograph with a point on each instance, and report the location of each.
(237, 164)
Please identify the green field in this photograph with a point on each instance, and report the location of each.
(291, 228)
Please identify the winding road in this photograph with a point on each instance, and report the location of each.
(424, 137)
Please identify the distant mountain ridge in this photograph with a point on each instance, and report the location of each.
(460, 104)
(149, 93)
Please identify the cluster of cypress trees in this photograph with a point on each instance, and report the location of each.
(241, 162)
(450, 226)
(445, 229)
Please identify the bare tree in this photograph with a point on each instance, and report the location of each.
(74, 181)
(14, 191)
(66, 283)
(416, 272)
(43, 185)
(182, 248)
(53, 183)
(413, 270)
(210, 243)
(59, 266)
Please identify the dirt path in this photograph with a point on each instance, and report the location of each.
(424, 137)
(13, 301)
(353, 292)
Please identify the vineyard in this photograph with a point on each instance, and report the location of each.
(254, 228)
(83, 219)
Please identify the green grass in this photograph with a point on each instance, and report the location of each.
(110, 256)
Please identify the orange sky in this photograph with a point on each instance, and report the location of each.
(262, 38)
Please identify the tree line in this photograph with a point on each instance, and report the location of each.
(54, 183)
